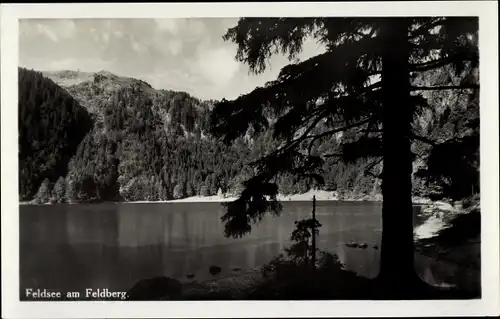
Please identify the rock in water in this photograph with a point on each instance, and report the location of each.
(363, 245)
(156, 288)
(190, 275)
(214, 270)
(375, 247)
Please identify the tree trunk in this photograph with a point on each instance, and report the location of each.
(397, 272)
(313, 241)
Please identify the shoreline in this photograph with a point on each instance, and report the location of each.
(435, 213)
(320, 195)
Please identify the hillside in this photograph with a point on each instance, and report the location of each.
(140, 143)
(449, 166)
(51, 126)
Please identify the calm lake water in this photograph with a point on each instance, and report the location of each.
(74, 247)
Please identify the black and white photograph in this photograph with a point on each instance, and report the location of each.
(250, 158)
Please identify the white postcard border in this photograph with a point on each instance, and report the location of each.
(488, 305)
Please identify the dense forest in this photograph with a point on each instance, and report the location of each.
(51, 126)
(110, 138)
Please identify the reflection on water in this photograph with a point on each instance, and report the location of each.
(73, 247)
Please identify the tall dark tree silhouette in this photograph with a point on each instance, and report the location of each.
(364, 86)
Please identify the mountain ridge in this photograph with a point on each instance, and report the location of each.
(150, 144)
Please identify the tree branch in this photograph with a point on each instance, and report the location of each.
(318, 136)
(309, 129)
(369, 167)
(369, 89)
(313, 113)
(437, 88)
(425, 27)
(422, 139)
(332, 155)
(293, 143)
(431, 64)
(375, 163)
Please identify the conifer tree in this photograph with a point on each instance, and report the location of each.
(44, 192)
(59, 191)
(364, 86)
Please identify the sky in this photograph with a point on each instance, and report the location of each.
(177, 54)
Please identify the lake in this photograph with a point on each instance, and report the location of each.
(113, 245)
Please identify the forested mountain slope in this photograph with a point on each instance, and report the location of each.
(448, 150)
(51, 126)
(106, 137)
